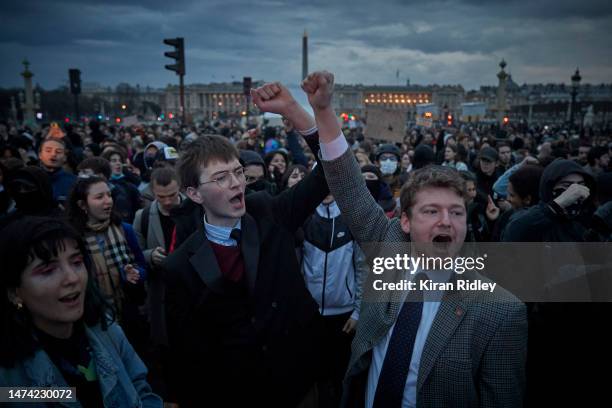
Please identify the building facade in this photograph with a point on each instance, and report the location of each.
(356, 99)
(212, 101)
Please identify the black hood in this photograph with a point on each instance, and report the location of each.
(36, 176)
(423, 155)
(559, 169)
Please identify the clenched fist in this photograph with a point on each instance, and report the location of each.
(319, 86)
(273, 98)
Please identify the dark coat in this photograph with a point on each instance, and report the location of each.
(187, 217)
(126, 198)
(567, 341)
(540, 223)
(255, 344)
(484, 183)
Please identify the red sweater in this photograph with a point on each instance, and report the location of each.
(230, 261)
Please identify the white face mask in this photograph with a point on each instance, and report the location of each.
(388, 166)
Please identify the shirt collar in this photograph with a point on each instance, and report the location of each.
(221, 235)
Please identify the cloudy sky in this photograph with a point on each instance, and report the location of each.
(428, 41)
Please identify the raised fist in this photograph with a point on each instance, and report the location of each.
(319, 87)
(273, 98)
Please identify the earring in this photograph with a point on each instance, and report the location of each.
(19, 305)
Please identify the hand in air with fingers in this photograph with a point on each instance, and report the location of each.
(492, 209)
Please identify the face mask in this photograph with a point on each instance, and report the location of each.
(259, 185)
(388, 166)
(149, 160)
(374, 187)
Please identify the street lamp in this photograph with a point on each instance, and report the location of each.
(575, 84)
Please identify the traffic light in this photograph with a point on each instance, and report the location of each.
(449, 120)
(75, 81)
(506, 120)
(178, 55)
(246, 85)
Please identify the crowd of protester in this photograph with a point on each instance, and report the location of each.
(94, 217)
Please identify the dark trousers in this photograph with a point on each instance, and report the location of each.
(336, 354)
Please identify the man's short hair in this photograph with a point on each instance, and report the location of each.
(200, 153)
(434, 177)
(163, 176)
(98, 165)
(109, 152)
(52, 139)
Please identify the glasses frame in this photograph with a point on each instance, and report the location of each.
(240, 178)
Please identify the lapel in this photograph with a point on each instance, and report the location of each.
(203, 260)
(379, 313)
(450, 314)
(156, 227)
(250, 250)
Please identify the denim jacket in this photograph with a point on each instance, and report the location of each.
(121, 373)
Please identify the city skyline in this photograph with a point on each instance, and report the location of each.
(429, 42)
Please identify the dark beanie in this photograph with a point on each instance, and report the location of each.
(370, 168)
(250, 157)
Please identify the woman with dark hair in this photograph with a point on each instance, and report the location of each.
(451, 158)
(276, 163)
(119, 263)
(294, 174)
(56, 328)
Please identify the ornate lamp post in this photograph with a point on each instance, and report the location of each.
(575, 84)
(501, 93)
(27, 100)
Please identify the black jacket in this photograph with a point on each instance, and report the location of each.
(540, 223)
(251, 345)
(484, 183)
(567, 341)
(126, 198)
(187, 217)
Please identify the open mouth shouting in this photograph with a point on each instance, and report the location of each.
(72, 299)
(237, 201)
(442, 241)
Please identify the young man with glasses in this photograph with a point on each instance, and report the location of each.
(237, 310)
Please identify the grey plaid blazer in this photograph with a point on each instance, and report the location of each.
(475, 352)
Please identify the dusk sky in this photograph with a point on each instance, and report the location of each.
(433, 41)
